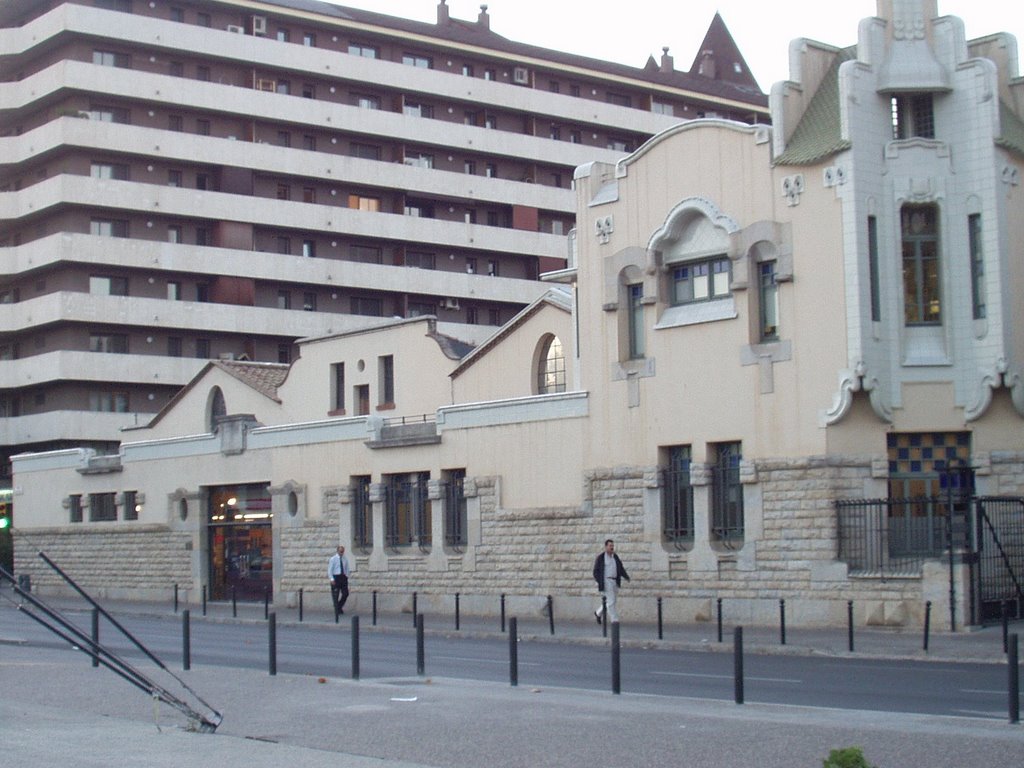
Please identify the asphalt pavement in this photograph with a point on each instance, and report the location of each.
(56, 709)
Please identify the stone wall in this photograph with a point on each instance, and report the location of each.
(527, 554)
(137, 563)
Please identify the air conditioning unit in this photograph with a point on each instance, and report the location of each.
(226, 356)
(259, 25)
(450, 303)
(521, 75)
(236, 29)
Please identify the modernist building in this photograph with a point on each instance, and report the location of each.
(781, 363)
(187, 180)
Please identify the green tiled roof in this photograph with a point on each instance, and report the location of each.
(1011, 135)
(818, 134)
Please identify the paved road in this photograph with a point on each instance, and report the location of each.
(899, 685)
(56, 710)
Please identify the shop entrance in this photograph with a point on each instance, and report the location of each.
(241, 548)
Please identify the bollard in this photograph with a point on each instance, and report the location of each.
(616, 660)
(502, 611)
(375, 608)
(849, 623)
(420, 660)
(927, 623)
(719, 619)
(1006, 623)
(415, 612)
(456, 611)
(513, 652)
(175, 598)
(737, 663)
(234, 602)
(266, 602)
(95, 636)
(782, 622)
(272, 642)
(551, 614)
(355, 647)
(300, 605)
(604, 616)
(1014, 681)
(204, 599)
(186, 641)
(661, 634)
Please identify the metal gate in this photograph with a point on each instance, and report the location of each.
(997, 568)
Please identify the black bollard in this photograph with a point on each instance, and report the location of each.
(234, 602)
(300, 605)
(661, 633)
(502, 611)
(737, 663)
(456, 611)
(355, 647)
(782, 622)
(95, 636)
(266, 602)
(616, 660)
(415, 612)
(204, 599)
(375, 608)
(551, 614)
(1014, 682)
(272, 642)
(420, 659)
(1006, 623)
(604, 616)
(186, 641)
(927, 623)
(175, 598)
(513, 652)
(849, 624)
(719, 619)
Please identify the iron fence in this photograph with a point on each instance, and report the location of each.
(891, 537)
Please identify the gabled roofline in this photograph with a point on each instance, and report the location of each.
(555, 297)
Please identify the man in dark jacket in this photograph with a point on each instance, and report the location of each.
(609, 573)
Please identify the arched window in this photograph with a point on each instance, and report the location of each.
(551, 367)
(217, 408)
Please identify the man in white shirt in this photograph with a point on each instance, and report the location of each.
(609, 573)
(337, 572)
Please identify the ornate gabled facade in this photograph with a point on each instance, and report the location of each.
(787, 366)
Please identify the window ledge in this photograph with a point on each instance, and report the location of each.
(700, 312)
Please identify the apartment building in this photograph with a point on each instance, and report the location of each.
(187, 180)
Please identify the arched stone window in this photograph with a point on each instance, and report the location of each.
(216, 407)
(550, 366)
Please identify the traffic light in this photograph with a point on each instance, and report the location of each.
(5, 516)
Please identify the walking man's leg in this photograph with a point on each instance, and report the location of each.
(611, 590)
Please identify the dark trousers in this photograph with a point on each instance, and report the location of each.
(339, 590)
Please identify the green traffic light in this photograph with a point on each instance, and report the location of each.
(4, 522)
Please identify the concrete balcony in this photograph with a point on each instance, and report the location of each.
(77, 426)
(443, 81)
(278, 161)
(177, 259)
(163, 201)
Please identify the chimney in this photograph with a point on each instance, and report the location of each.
(442, 12)
(483, 19)
(707, 66)
(667, 62)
